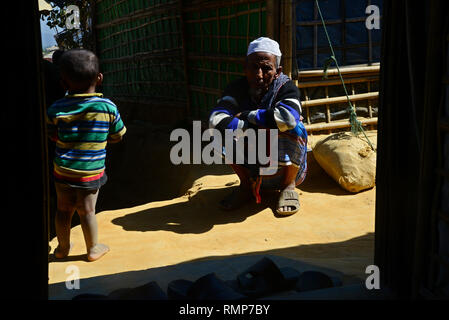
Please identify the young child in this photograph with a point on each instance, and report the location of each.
(81, 124)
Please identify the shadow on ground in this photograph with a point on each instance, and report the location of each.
(190, 216)
(329, 258)
(140, 170)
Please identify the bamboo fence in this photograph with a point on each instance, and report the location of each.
(159, 54)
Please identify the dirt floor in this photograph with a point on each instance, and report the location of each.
(333, 229)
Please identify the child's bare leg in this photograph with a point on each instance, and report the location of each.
(87, 200)
(66, 203)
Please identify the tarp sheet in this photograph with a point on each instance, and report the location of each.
(349, 38)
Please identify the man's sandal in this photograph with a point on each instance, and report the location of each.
(288, 198)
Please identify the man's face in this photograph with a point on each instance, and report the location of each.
(261, 70)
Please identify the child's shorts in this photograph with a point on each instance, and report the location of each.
(68, 197)
(90, 185)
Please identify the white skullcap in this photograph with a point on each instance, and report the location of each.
(264, 44)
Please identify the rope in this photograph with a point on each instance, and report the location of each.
(356, 125)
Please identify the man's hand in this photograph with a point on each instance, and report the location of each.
(242, 115)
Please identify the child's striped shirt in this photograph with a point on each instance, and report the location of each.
(81, 125)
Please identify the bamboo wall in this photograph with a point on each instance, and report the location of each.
(324, 102)
(159, 55)
(140, 47)
(217, 34)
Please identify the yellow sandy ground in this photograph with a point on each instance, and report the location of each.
(333, 229)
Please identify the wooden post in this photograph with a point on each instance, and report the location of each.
(93, 5)
(353, 94)
(328, 112)
(307, 109)
(315, 36)
(370, 109)
(270, 19)
(286, 36)
(184, 58)
(273, 13)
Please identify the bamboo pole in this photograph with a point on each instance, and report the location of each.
(328, 111)
(330, 21)
(270, 19)
(286, 37)
(307, 109)
(184, 58)
(337, 125)
(341, 99)
(375, 68)
(370, 109)
(333, 82)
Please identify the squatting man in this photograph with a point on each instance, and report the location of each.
(267, 101)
